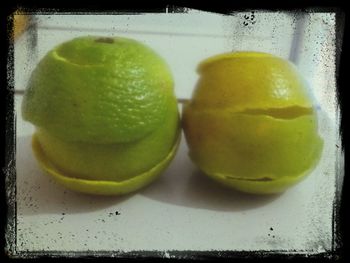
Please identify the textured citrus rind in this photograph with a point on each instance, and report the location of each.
(251, 124)
(90, 90)
(99, 187)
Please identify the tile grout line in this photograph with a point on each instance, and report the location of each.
(61, 28)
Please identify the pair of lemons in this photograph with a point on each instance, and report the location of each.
(107, 120)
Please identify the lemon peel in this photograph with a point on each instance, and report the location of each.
(102, 187)
(251, 124)
(281, 113)
(262, 186)
(249, 81)
(116, 161)
(230, 55)
(107, 93)
(105, 114)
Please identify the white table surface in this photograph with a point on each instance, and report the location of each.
(182, 210)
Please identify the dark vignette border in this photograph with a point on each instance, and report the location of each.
(339, 242)
(8, 167)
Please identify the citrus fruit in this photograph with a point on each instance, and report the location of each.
(105, 113)
(251, 124)
(20, 23)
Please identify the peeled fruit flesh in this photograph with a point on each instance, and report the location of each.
(250, 123)
(105, 113)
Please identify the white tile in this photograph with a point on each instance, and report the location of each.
(193, 22)
(317, 59)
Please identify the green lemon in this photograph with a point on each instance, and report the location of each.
(251, 124)
(105, 113)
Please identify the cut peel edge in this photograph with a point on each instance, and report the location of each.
(290, 112)
(259, 180)
(57, 56)
(258, 186)
(232, 55)
(103, 187)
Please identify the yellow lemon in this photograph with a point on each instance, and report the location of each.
(251, 124)
(105, 113)
(20, 23)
